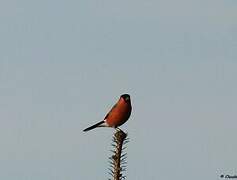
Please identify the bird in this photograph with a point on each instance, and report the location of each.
(117, 116)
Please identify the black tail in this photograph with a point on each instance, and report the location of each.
(94, 126)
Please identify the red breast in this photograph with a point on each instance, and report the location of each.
(120, 113)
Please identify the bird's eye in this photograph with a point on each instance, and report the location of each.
(127, 98)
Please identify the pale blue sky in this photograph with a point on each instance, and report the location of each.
(63, 64)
